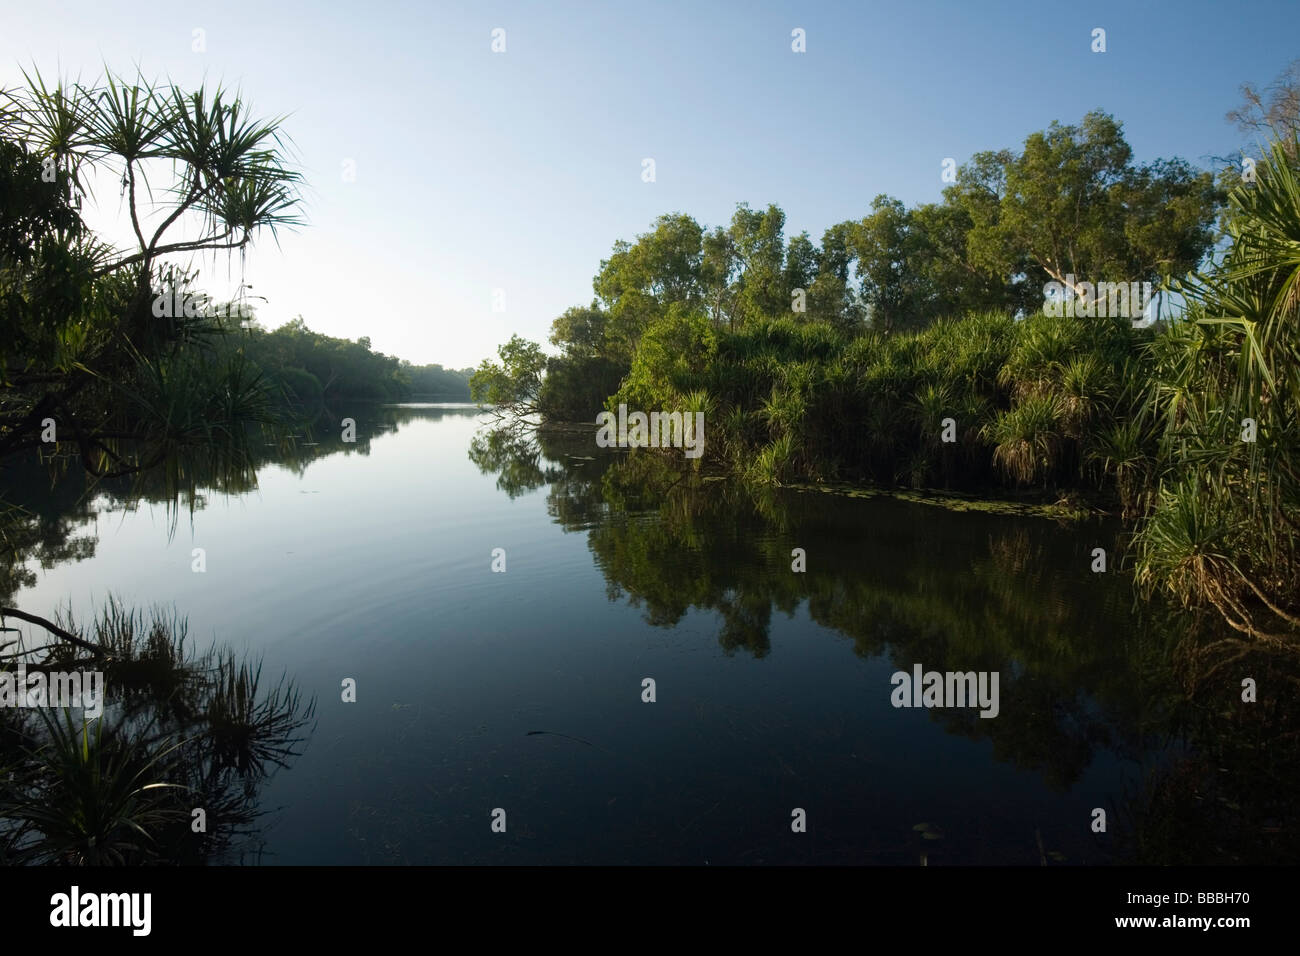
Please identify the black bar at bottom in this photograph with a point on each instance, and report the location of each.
(241, 905)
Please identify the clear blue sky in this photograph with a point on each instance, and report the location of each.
(477, 171)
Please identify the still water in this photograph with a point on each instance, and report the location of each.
(523, 691)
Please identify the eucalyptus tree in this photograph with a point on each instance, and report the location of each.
(953, 285)
(718, 266)
(888, 248)
(801, 266)
(641, 279)
(831, 298)
(1272, 113)
(1074, 205)
(757, 238)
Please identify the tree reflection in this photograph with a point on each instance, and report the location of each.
(169, 772)
(172, 770)
(912, 583)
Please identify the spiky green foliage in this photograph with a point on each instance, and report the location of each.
(87, 796)
(1026, 438)
(178, 730)
(83, 342)
(1226, 397)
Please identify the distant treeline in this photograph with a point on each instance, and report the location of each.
(303, 366)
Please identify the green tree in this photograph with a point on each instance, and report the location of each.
(515, 385)
(951, 283)
(759, 248)
(888, 250)
(674, 352)
(1073, 204)
(801, 266)
(831, 298)
(580, 331)
(85, 343)
(718, 266)
(639, 280)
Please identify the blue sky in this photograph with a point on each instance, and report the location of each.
(517, 171)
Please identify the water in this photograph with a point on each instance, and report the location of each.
(373, 562)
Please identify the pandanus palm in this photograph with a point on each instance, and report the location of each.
(1227, 396)
(1027, 439)
(94, 349)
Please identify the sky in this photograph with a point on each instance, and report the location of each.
(487, 186)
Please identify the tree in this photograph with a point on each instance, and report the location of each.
(1272, 113)
(129, 376)
(639, 280)
(759, 249)
(580, 331)
(717, 267)
(673, 354)
(578, 382)
(800, 267)
(888, 248)
(951, 284)
(1073, 204)
(831, 298)
(515, 385)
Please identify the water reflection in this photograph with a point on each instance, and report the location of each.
(48, 507)
(174, 770)
(1086, 673)
(774, 683)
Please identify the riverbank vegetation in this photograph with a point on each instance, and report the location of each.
(909, 348)
(923, 348)
(115, 352)
(105, 371)
(842, 361)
